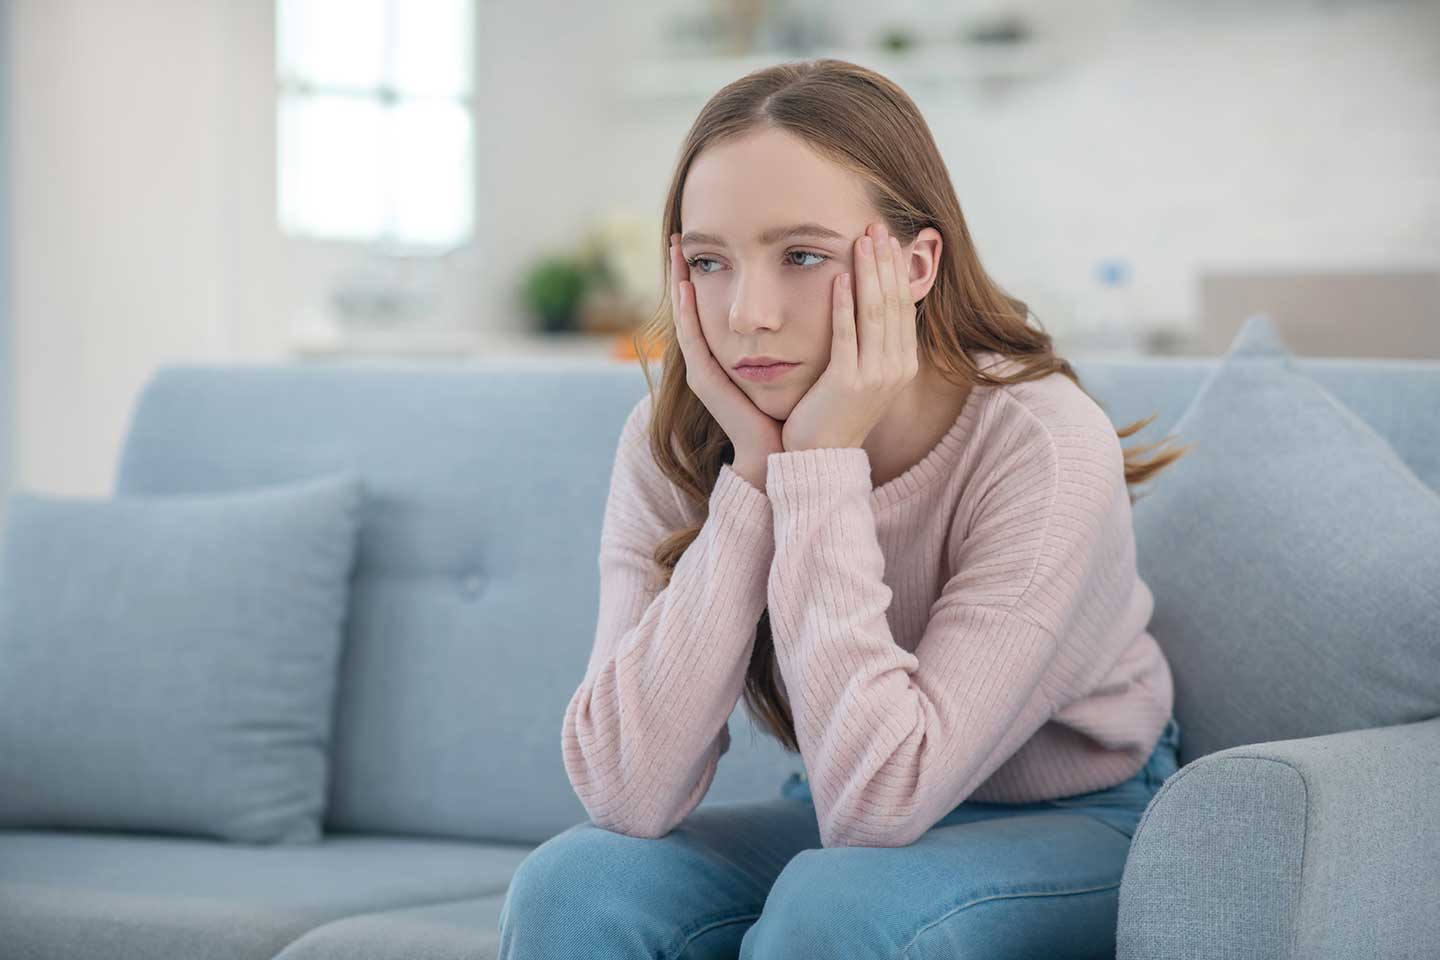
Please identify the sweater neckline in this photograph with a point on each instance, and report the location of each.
(929, 467)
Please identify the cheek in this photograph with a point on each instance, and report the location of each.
(713, 329)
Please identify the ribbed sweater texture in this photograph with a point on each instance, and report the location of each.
(973, 629)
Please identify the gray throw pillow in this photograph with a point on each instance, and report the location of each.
(168, 664)
(1294, 559)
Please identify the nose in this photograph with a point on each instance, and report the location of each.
(755, 306)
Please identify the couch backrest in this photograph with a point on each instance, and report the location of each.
(473, 603)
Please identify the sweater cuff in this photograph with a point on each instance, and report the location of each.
(734, 496)
(817, 475)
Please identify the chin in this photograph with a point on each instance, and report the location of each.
(777, 408)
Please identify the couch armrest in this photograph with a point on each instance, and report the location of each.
(1320, 848)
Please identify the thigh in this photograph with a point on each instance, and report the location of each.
(1028, 883)
(988, 879)
(689, 894)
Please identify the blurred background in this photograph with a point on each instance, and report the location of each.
(313, 181)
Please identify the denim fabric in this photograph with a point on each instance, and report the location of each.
(752, 880)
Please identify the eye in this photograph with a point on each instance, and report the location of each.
(808, 253)
(692, 261)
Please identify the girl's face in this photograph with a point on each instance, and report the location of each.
(762, 287)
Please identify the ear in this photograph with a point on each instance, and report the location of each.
(923, 256)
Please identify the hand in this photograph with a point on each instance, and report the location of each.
(870, 362)
(753, 432)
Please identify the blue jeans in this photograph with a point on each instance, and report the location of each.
(751, 880)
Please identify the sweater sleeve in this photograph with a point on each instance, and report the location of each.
(645, 730)
(894, 740)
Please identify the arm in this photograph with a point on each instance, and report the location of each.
(644, 731)
(1324, 847)
(894, 740)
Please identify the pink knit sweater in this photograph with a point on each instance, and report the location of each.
(972, 629)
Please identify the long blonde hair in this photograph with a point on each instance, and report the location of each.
(866, 123)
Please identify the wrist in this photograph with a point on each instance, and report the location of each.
(752, 473)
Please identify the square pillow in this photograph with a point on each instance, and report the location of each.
(1294, 559)
(169, 664)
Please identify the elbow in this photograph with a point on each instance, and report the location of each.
(862, 836)
(612, 808)
(611, 800)
(650, 813)
(641, 798)
(840, 828)
(593, 771)
(640, 830)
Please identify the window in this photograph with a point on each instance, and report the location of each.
(375, 126)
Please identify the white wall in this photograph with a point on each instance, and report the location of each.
(144, 178)
(7, 378)
(119, 219)
(1180, 134)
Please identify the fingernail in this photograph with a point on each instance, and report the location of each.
(866, 246)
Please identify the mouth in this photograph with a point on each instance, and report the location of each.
(765, 371)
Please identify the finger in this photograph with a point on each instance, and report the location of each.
(885, 262)
(679, 274)
(678, 269)
(699, 361)
(842, 325)
(870, 307)
(690, 324)
(907, 303)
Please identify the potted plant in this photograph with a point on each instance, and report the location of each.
(553, 290)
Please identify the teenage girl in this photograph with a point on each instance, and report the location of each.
(869, 498)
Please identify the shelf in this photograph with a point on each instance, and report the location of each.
(700, 77)
(330, 343)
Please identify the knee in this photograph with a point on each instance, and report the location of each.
(822, 905)
(554, 895)
(579, 890)
(559, 876)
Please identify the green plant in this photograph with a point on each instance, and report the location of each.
(896, 39)
(554, 287)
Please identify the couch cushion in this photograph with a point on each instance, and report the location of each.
(122, 896)
(474, 597)
(1293, 561)
(463, 930)
(169, 663)
(475, 590)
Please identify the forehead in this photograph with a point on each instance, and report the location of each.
(741, 188)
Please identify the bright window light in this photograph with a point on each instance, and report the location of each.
(374, 121)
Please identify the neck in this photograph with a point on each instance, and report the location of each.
(914, 424)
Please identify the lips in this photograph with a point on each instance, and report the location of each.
(765, 372)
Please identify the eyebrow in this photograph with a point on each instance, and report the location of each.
(813, 231)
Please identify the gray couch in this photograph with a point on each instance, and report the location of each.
(471, 617)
